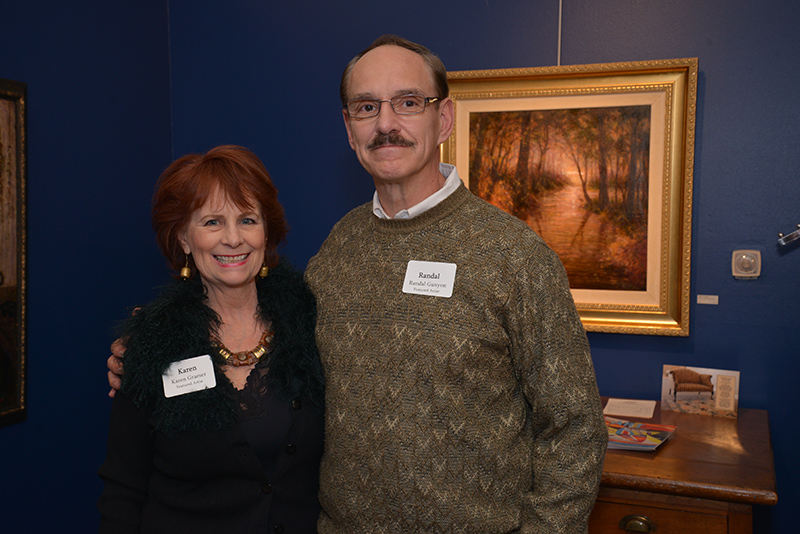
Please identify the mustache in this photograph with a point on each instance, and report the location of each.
(391, 138)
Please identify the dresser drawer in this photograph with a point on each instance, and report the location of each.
(606, 518)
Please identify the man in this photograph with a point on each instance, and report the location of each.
(460, 390)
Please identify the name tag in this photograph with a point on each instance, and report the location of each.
(430, 278)
(189, 375)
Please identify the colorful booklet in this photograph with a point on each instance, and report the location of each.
(636, 436)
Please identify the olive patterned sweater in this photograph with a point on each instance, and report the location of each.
(477, 413)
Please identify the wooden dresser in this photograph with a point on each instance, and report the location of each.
(705, 478)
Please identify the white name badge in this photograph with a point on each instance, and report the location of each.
(189, 375)
(430, 278)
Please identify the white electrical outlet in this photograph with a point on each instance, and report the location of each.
(746, 264)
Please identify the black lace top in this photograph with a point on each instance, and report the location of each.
(266, 420)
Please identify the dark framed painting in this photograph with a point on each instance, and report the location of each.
(598, 160)
(13, 97)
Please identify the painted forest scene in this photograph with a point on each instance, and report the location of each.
(578, 178)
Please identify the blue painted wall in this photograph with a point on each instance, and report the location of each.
(98, 132)
(102, 79)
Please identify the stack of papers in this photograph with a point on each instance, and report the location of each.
(643, 409)
(636, 436)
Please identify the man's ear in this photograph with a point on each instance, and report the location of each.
(447, 118)
(347, 127)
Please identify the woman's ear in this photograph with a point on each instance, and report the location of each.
(184, 243)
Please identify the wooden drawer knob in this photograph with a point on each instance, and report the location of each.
(637, 523)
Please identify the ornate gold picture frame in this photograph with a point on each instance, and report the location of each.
(12, 257)
(598, 159)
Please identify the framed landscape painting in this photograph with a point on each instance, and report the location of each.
(598, 160)
(12, 256)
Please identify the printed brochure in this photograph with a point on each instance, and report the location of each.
(636, 436)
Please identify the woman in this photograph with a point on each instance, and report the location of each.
(218, 426)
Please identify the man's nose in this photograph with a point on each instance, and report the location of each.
(387, 119)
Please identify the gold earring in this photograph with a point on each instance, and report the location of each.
(186, 272)
(264, 269)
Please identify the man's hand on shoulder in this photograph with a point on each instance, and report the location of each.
(114, 363)
(115, 369)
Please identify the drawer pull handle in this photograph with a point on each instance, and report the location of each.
(637, 523)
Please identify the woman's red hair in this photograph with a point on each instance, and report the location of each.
(190, 181)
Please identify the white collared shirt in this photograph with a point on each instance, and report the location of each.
(451, 183)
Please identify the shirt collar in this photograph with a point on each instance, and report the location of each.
(451, 183)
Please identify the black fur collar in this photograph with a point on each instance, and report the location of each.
(177, 325)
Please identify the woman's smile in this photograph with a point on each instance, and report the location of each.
(231, 261)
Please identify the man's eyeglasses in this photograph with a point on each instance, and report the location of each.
(402, 105)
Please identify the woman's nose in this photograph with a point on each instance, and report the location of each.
(232, 236)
